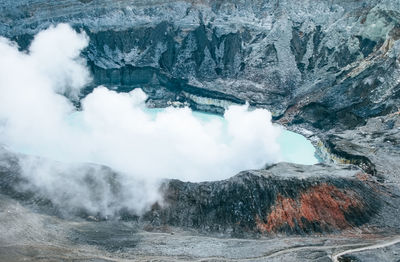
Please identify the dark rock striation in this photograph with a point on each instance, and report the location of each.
(283, 198)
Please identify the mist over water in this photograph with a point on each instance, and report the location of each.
(114, 129)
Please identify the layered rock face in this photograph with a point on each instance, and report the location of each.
(331, 67)
(329, 64)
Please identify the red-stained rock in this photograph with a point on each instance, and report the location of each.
(323, 204)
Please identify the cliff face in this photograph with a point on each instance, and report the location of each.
(329, 64)
(331, 67)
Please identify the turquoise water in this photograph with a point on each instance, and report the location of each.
(295, 148)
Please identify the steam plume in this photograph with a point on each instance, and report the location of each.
(113, 129)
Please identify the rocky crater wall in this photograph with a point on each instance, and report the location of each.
(326, 64)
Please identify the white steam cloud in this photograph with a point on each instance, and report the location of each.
(113, 129)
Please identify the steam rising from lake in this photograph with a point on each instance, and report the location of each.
(37, 117)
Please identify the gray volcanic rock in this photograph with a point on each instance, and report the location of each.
(336, 61)
(282, 198)
(32, 236)
(390, 253)
(285, 197)
(374, 146)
